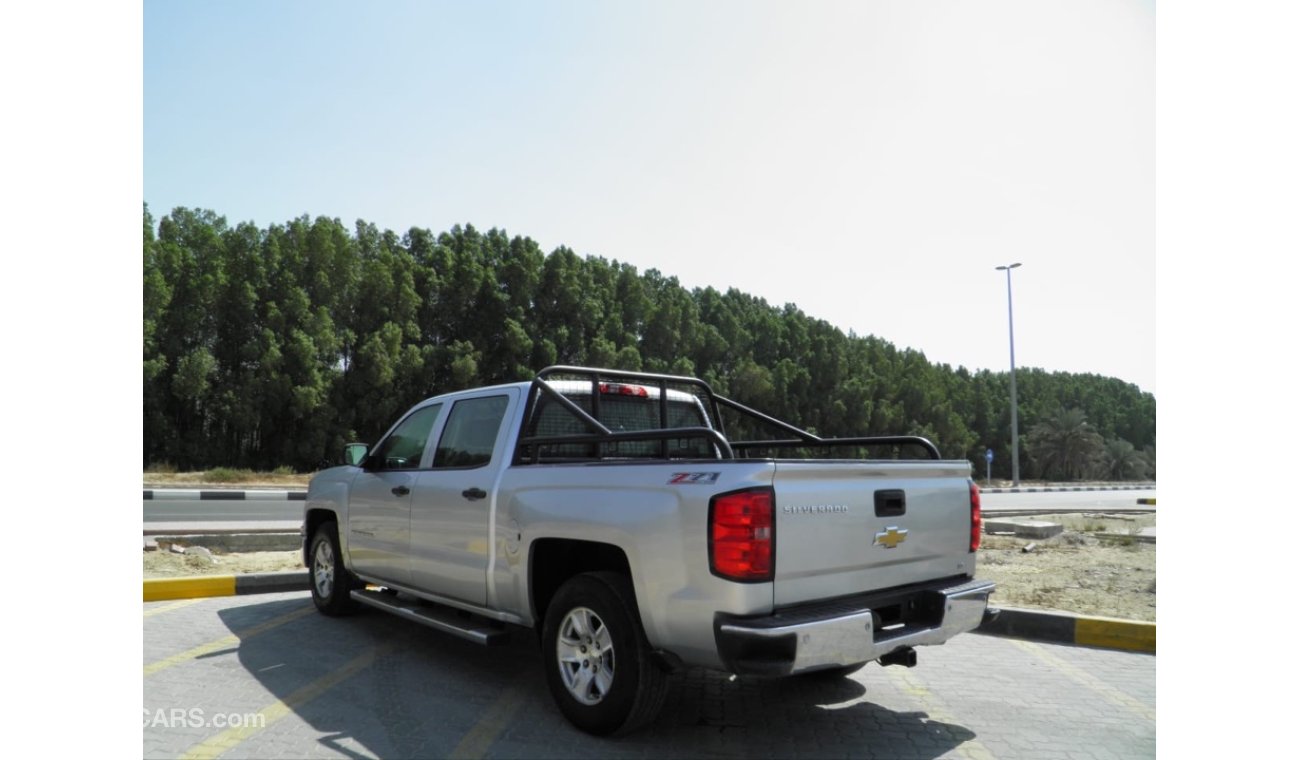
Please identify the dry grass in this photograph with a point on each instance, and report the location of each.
(226, 477)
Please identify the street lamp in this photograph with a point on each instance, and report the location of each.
(1011, 331)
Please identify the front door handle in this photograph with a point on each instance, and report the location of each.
(401, 491)
(473, 494)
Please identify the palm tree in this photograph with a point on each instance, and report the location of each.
(1121, 461)
(1149, 456)
(1065, 446)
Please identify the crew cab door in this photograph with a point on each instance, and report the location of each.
(452, 501)
(379, 504)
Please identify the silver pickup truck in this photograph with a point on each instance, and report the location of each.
(610, 512)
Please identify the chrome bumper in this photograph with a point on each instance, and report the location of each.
(852, 630)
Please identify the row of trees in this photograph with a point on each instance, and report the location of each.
(272, 347)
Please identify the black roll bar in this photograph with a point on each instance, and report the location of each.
(601, 434)
(808, 439)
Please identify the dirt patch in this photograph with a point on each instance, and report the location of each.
(1097, 566)
(1075, 571)
(165, 564)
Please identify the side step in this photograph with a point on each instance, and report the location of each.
(445, 619)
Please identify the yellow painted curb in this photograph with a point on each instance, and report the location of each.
(160, 589)
(1132, 635)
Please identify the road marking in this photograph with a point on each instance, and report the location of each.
(480, 737)
(169, 607)
(1088, 680)
(223, 742)
(225, 642)
(970, 749)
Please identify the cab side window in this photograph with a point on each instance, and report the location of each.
(403, 449)
(471, 432)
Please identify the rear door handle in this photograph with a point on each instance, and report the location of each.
(401, 491)
(473, 494)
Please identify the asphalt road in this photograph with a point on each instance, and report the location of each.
(267, 676)
(1103, 501)
(162, 509)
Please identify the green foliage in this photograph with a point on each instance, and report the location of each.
(228, 475)
(1121, 461)
(1064, 446)
(1148, 455)
(275, 347)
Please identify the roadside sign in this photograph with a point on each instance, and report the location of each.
(988, 455)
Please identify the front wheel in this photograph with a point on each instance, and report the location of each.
(598, 663)
(331, 583)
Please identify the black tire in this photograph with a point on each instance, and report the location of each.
(830, 674)
(627, 688)
(331, 583)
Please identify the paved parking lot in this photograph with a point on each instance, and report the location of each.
(267, 677)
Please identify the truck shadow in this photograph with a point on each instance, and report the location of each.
(413, 692)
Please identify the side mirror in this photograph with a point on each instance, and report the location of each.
(355, 453)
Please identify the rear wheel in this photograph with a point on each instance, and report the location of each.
(331, 583)
(598, 663)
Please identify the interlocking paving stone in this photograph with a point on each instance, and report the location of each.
(975, 697)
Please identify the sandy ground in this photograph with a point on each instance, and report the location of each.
(165, 564)
(1074, 572)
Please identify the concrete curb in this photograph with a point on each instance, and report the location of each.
(1138, 487)
(189, 494)
(1077, 630)
(200, 586)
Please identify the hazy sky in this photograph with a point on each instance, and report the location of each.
(870, 162)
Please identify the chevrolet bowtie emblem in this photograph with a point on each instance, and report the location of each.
(891, 538)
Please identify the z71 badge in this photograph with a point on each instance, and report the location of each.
(686, 478)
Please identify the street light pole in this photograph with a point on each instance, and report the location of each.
(1011, 332)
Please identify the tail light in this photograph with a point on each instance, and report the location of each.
(742, 531)
(976, 521)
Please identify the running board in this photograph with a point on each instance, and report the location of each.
(444, 619)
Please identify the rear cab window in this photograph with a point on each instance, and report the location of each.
(621, 411)
(470, 434)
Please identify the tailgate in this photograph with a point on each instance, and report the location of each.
(831, 542)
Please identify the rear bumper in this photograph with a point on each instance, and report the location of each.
(850, 630)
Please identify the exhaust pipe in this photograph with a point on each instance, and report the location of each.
(905, 657)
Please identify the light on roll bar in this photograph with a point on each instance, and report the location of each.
(618, 389)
